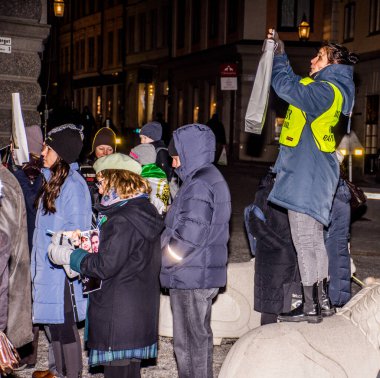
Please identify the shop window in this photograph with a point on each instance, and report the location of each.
(213, 104)
(196, 105)
(146, 103)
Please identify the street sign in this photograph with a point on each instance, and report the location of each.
(228, 70)
(228, 83)
(5, 45)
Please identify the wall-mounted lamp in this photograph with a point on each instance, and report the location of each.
(59, 8)
(304, 30)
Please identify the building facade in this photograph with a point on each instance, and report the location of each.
(23, 29)
(131, 59)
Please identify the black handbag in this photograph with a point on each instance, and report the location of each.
(358, 198)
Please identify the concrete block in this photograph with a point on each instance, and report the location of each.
(344, 345)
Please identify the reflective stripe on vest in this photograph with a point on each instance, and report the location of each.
(321, 127)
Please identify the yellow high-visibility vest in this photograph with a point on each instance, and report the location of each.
(321, 127)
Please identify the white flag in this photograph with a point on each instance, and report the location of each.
(258, 102)
(20, 145)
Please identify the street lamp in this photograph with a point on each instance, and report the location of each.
(350, 145)
(59, 8)
(303, 30)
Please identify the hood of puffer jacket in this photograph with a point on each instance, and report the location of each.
(340, 75)
(195, 144)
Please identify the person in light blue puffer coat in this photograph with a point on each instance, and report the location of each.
(64, 204)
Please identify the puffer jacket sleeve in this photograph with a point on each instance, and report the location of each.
(194, 220)
(315, 98)
(77, 205)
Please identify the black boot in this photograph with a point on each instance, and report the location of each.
(327, 309)
(309, 311)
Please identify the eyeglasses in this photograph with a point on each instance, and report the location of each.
(99, 183)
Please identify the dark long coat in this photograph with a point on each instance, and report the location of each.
(276, 271)
(123, 314)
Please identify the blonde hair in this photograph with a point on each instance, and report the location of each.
(126, 183)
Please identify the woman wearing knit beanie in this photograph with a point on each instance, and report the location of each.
(104, 144)
(63, 204)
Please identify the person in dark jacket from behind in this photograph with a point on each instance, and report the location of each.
(29, 177)
(337, 236)
(194, 247)
(152, 133)
(123, 314)
(277, 279)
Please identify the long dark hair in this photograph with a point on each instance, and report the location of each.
(51, 189)
(339, 54)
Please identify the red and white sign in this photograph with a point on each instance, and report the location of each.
(228, 70)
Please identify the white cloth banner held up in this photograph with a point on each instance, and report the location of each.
(258, 102)
(20, 145)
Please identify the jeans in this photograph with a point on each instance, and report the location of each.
(193, 340)
(307, 235)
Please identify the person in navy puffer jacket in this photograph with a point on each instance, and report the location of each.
(194, 247)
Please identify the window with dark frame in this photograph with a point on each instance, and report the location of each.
(165, 25)
(142, 32)
(67, 57)
(110, 48)
(82, 53)
(349, 22)
(120, 46)
(99, 53)
(232, 16)
(181, 19)
(91, 52)
(291, 12)
(77, 51)
(153, 29)
(196, 22)
(374, 17)
(213, 19)
(131, 34)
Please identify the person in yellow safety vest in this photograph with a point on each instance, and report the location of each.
(307, 168)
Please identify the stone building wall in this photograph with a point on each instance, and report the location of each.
(24, 21)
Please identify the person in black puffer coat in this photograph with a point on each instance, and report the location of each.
(336, 240)
(277, 280)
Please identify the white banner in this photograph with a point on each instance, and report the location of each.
(20, 144)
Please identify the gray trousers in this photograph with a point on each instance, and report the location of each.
(192, 334)
(307, 235)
